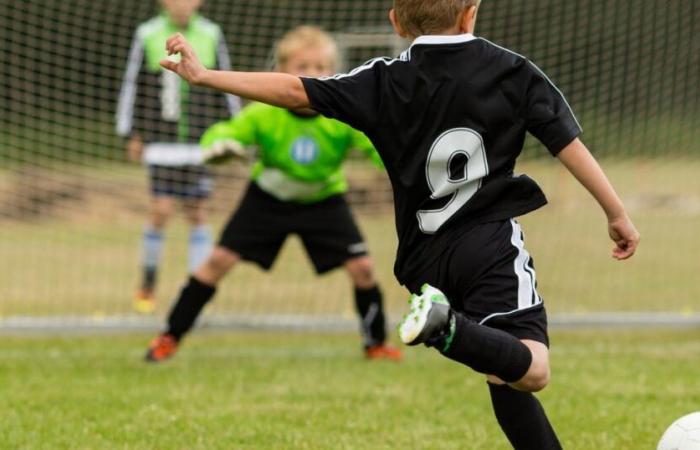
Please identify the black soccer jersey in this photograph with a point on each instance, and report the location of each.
(449, 119)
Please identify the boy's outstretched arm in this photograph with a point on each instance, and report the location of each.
(579, 161)
(278, 89)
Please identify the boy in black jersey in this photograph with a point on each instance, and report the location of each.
(449, 118)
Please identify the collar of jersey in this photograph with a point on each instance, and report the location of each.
(437, 40)
(173, 26)
(442, 40)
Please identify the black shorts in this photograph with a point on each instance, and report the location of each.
(180, 181)
(489, 277)
(261, 224)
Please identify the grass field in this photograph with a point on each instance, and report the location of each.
(84, 261)
(610, 391)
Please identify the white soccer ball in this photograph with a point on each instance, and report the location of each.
(683, 434)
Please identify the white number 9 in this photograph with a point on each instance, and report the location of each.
(443, 182)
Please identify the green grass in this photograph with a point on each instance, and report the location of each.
(84, 259)
(611, 390)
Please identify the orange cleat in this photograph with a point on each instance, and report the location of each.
(383, 351)
(161, 348)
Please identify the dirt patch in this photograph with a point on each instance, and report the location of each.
(80, 195)
(688, 205)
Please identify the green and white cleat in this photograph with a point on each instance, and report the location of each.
(429, 316)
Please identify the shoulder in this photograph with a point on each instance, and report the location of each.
(520, 68)
(341, 127)
(150, 27)
(373, 65)
(502, 55)
(206, 26)
(261, 108)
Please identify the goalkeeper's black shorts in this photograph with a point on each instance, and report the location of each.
(261, 224)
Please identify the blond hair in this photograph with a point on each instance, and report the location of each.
(421, 17)
(301, 37)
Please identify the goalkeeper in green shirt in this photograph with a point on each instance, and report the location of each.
(297, 187)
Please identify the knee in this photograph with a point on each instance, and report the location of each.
(536, 379)
(217, 265)
(196, 220)
(222, 261)
(159, 216)
(195, 214)
(538, 375)
(158, 220)
(361, 272)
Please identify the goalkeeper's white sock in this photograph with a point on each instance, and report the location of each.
(200, 246)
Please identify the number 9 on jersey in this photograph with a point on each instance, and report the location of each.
(445, 181)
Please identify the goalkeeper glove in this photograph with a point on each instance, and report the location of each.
(223, 151)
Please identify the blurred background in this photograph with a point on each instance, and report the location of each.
(72, 208)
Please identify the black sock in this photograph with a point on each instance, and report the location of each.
(488, 350)
(150, 275)
(372, 321)
(522, 419)
(189, 304)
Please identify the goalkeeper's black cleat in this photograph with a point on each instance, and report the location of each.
(429, 321)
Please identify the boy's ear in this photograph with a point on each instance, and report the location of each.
(468, 20)
(397, 26)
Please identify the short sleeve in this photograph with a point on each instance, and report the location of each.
(547, 114)
(223, 62)
(351, 98)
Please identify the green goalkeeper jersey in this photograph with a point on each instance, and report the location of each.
(299, 158)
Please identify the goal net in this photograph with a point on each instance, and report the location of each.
(73, 209)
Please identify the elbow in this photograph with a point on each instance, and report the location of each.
(296, 97)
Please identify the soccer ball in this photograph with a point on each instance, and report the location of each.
(683, 434)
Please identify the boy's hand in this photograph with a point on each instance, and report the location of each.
(625, 236)
(189, 67)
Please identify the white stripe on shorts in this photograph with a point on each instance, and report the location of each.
(527, 279)
(527, 287)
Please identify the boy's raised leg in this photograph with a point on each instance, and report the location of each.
(486, 350)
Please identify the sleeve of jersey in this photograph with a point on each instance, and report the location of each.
(128, 104)
(349, 98)
(223, 61)
(241, 129)
(548, 115)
